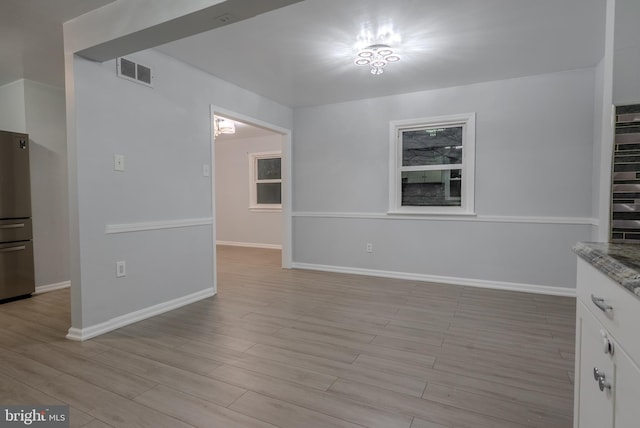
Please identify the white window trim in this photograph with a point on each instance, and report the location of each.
(253, 164)
(468, 121)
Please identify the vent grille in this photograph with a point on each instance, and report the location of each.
(143, 74)
(625, 206)
(134, 72)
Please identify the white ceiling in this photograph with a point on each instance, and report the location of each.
(303, 54)
(31, 43)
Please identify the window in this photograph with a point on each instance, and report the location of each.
(432, 165)
(265, 180)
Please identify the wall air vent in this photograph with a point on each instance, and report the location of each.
(134, 72)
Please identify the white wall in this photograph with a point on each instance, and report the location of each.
(39, 110)
(626, 66)
(534, 154)
(603, 131)
(164, 134)
(235, 223)
(12, 107)
(598, 114)
(46, 125)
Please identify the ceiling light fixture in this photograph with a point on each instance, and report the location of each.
(223, 126)
(377, 57)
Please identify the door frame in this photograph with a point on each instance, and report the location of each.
(287, 239)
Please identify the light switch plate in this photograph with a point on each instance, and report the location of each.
(121, 269)
(206, 171)
(118, 162)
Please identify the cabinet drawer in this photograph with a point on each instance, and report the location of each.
(623, 319)
(15, 230)
(594, 406)
(16, 269)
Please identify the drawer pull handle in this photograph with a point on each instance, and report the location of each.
(603, 385)
(600, 378)
(12, 226)
(596, 374)
(599, 302)
(6, 250)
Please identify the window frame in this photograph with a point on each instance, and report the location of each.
(253, 182)
(467, 167)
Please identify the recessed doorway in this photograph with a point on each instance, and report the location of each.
(251, 197)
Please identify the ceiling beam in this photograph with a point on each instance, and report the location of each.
(126, 26)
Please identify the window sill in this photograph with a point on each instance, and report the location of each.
(266, 209)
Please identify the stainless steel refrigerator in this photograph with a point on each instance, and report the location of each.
(16, 246)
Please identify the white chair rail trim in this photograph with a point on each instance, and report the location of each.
(467, 218)
(157, 225)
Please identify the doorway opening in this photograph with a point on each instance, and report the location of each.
(251, 195)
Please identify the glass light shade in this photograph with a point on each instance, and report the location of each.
(223, 126)
(377, 56)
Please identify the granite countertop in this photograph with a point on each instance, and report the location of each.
(620, 262)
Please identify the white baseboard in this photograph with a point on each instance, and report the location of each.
(80, 334)
(469, 282)
(52, 287)
(250, 245)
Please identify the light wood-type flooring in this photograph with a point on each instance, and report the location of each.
(303, 349)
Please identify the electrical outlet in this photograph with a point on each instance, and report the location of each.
(369, 248)
(121, 269)
(206, 171)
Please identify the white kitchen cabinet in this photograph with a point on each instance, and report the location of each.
(627, 390)
(593, 407)
(607, 381)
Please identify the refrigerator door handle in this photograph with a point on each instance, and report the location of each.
(18, 248)
(11, 226)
